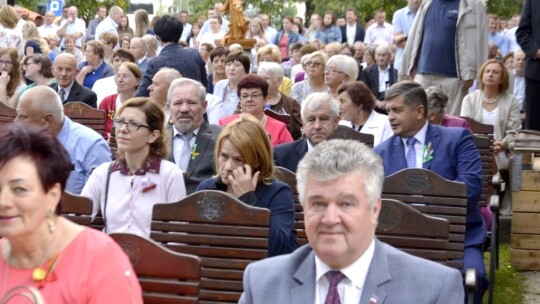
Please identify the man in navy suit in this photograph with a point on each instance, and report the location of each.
(320, 118)
(187, 61)
(339, 184)
(352, 31)
(449, 152)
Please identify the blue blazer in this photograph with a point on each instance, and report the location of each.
(455, 158)
(187, 61)
(359, 36)
(277, 197)
(289, 155)
(393, 277)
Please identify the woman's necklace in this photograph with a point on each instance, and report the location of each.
(490, 101)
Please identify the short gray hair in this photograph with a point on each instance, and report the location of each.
(181, 82)
(437, 99)
(345, 64)
(335, 158)
(316, 100)
(271, 67)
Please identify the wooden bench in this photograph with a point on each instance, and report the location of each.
(86, 115)
(344, 132)
(404, 227)
(433, 195)
(287, 176)
(7, 114)
(76, 208)
(165, 276)
(224, 232)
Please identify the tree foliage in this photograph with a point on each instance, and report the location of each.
(364, 7)
(505, 8)
(274, 8)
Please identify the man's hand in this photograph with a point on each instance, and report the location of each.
(498, 146)
(242, 181)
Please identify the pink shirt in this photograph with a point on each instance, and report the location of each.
(91, 269)
(276, 129)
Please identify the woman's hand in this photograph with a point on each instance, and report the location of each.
(499, 146)
(241, 181)
(4, 79)
(87, 69)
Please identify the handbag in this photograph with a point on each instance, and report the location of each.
(29, 292)
(527, 141)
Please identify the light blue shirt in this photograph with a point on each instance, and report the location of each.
(87, 150)
(402, 22)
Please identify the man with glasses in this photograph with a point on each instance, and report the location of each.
(87, 149)
(192, 138)
(320, 118)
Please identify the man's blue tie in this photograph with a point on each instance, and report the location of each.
(411, 154)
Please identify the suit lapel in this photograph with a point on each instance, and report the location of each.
(201, 142)
(432, 139)
(301, 150)
(171, 138)
(304, 289)
(74, 92)
(397, 159)
(378, 274)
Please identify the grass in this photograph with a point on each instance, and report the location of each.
(509, 283)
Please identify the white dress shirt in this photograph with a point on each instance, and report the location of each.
(350, 30)
(350, 288)
(178, 144)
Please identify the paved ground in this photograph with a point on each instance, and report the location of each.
(532, 287)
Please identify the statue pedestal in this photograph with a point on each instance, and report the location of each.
(247, 44)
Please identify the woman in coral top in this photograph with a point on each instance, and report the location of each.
(41, 251)
(127, 80)
(253, 91)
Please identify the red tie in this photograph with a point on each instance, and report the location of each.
(333, 296)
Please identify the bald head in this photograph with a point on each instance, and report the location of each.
(41, 106)
(116, 13)
(160, 84)
(65, 69)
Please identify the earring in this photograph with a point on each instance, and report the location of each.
(50, 221)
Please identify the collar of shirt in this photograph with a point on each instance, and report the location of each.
(420, 136)
(355, 274)
(66, 89)
(175, 132)
(141, 60)
(310, 146)
(152, 164)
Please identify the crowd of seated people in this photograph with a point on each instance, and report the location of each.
(187, 113)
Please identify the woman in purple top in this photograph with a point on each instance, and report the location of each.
(437, 101)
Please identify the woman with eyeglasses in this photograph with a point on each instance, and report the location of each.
(253, 91)
(125, 190)
(314, 66)
(11, 79)
(127, 80)
(339, 70)
(37, 68)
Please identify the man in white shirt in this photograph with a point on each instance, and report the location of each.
(381, 32)
(48, 28)
(110, 24)
(352, 31)
(72, 27)
(20, 13)
(151, 45)
(269, 31)
(518, 85)
(184, 18)
(339, 185)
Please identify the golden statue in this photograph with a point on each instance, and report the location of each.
(239, 24)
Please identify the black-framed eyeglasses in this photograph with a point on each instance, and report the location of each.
(130, 125)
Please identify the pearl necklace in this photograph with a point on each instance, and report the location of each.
(490, 101)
